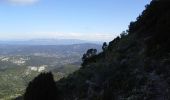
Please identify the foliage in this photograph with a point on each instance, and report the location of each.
(104, 47)
(41, 88)
(135, 65)
(89, 56)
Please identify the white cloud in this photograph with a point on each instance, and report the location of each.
(21, 2)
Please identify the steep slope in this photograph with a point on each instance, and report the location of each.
(134, 66)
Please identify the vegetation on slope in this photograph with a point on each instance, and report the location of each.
(134, 66)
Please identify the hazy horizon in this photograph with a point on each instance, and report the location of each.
(91, 20)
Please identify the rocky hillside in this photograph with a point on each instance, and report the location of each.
(134, 66)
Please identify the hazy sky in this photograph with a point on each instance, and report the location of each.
(79, 19)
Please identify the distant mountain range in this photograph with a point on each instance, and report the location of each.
(48, 42)
(26, 49)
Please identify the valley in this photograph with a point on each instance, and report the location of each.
(19, 64)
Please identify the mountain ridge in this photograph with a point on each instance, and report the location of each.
(48, 42)
(134, 66)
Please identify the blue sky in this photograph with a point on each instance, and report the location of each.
(98, 20)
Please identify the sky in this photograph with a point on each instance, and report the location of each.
(94, 20)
